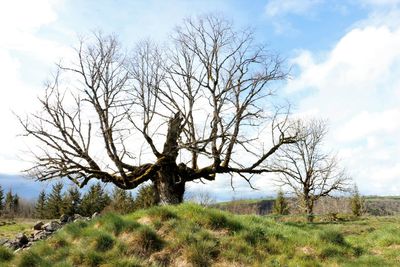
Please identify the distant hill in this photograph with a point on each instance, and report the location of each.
(374, 205)
(23, 186)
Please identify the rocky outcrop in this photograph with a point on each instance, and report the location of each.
(38, 225)
(64, 218)
(51, 226)
(42, 231)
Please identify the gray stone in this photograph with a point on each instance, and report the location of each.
(36, 232)
(3, 241)
(77, 216)
(51, 226)
(64, 218)
(38, 225)
(41, 235)
(22, 239)
(95, 215)
(12, 244)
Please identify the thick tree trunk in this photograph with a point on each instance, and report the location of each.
(309, 207)
(169, 186)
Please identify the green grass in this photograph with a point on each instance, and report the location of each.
(9, 228)
(189, 234)
(5, 254)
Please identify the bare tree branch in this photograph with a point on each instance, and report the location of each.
(201, 100)
(306, 169)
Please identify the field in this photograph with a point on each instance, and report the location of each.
(10, 227)
(191, 235)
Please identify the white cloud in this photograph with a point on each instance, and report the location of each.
(20, 15)
(380, 3)
(22, 53)
(361, 69)
(365, 124)
(356, 86)
(277, 8)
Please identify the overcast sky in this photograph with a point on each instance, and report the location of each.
(345, 58)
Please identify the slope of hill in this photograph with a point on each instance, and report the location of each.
(190, 235)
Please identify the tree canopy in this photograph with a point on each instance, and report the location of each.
(199, 104)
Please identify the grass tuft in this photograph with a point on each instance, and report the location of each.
(57, 242)
(254, 235)
(331, 236)
(104, 242)
(131, 262)
(161, 213)
(75, 229)
(148, 241)
(115, 224)
(92, 259)
(31, 259)
(5, 254)
(202, 250)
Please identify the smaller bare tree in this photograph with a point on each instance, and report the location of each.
(309, 171)
(201, 197)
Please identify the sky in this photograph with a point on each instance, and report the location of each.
(344, 58)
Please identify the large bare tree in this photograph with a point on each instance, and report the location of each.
(307, 169)
(197, 104)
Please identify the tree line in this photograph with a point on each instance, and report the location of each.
(72, 201)
(95, 199)
(355, 201)
(9, 203)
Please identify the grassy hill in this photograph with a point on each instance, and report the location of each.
(190, 235)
